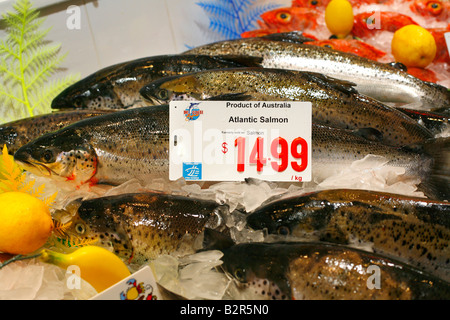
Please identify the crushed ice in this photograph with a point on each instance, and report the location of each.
(197, 276)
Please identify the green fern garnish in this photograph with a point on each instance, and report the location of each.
(27, 61)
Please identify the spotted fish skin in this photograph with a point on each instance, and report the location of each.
(117, 87)
(143, 226)
(112, 148)
(334, 102)
(19, 132)
(335, 149)
(377, 80)
(413, 230)
(134, 144)
(310, 271)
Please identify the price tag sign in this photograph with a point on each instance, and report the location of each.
(141, 285)
(234, 140)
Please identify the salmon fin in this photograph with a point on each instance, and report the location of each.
(371, 134)
(436, 184)
(238, 96)
(292, 37)
(398, 65)
(241, 60)
(343, 86)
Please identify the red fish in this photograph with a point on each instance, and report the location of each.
(442, 54)
(423, 74)
(437, 9)
(322, 4)
(357, 47)
(291, 18)
(366, 23)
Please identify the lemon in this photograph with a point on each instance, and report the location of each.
(98, 266)
(25, 223)
(414, 46)
(339, 17)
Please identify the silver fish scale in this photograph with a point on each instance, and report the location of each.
(336, 149)
(335, 103)
(131, 146)
(378, 80)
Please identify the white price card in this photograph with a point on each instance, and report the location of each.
(141, 285)
(235, 140)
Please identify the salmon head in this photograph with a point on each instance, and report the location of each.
(61, 155)
(95, 91)
(256, 272)
(174, 88)
(93, 223)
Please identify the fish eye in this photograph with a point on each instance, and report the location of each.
(80, 228)
(162, 94)
(370, 20)
(314, 2)
(78, 102)
(328, 46)
(47, 155)
(435, 7)
(283, 230)
(239, 274)
(284, 16)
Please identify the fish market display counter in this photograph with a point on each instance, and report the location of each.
(231, 163)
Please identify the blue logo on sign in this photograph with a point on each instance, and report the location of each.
(193, 111)
(192, 170)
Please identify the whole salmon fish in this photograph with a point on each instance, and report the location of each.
(134, 144)
(413, 230)
(19, 132)
(320, 271)
(334, 102)
(377, 80)
(139, 227)
(117, 86)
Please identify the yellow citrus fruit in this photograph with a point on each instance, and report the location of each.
(25, 223)
(339, 17)
(414, 46)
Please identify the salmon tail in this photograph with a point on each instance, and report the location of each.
(437, 183)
